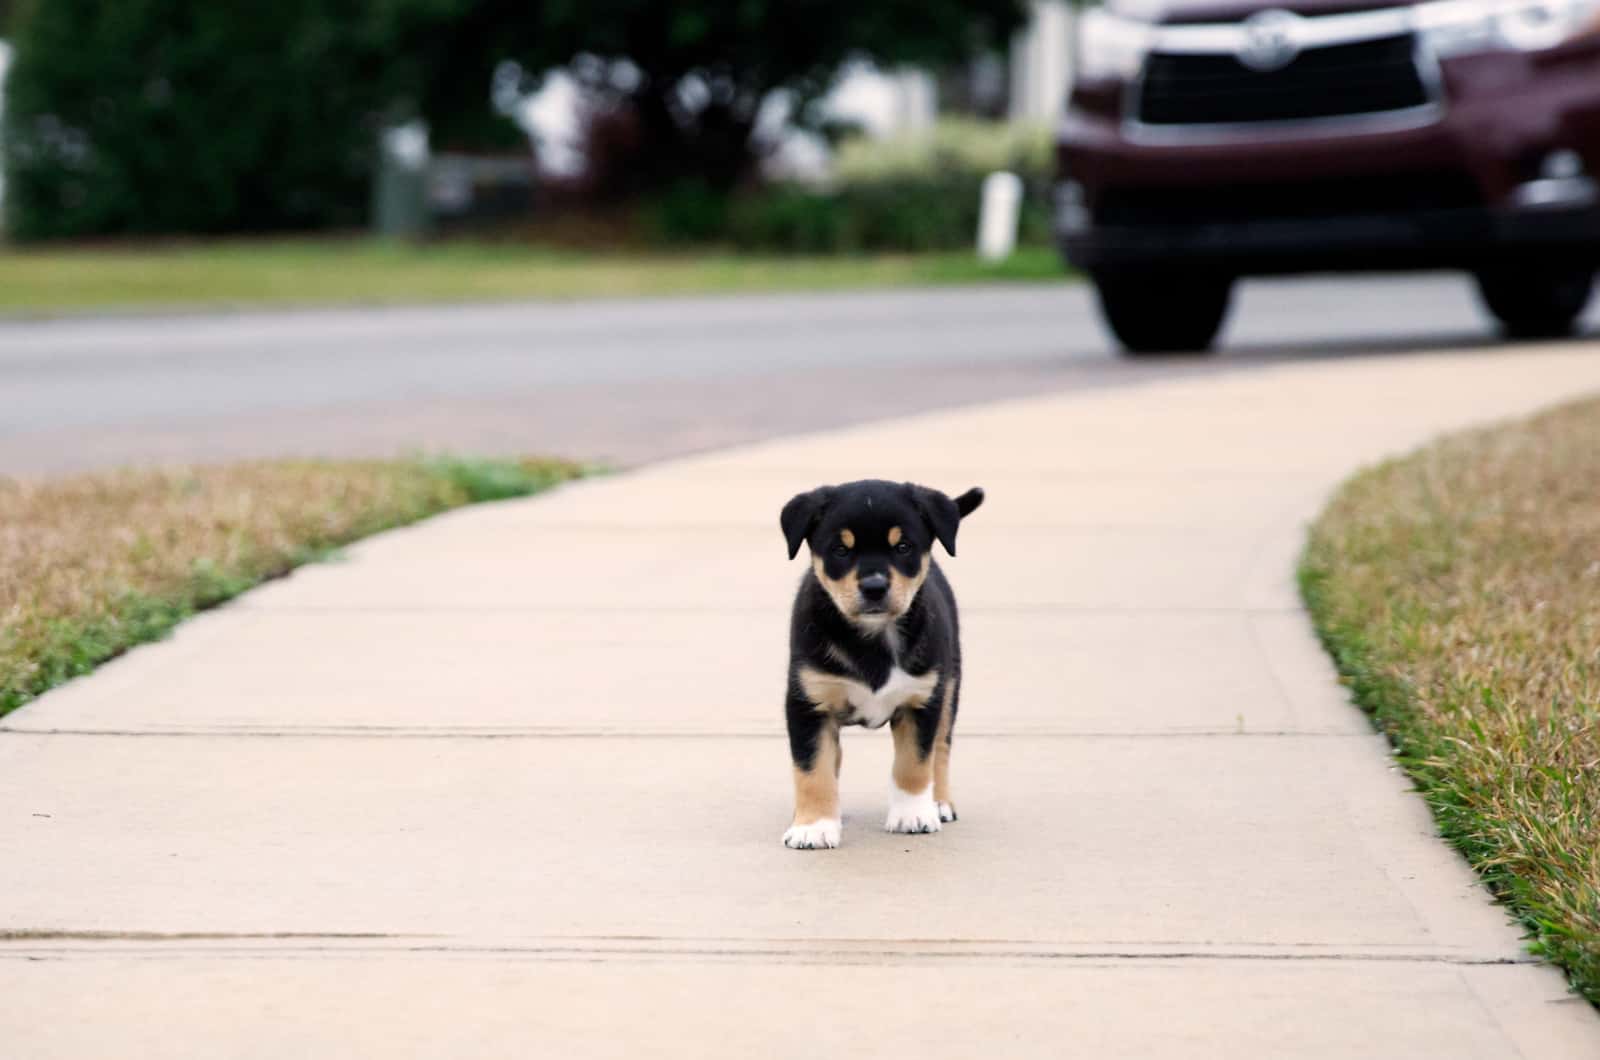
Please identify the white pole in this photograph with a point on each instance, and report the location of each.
(998, 212)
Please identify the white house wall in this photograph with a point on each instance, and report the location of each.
(1041, 63)
(5, 64)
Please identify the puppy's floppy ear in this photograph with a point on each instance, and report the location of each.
(939, 512)
(799, 517)
(968, 502)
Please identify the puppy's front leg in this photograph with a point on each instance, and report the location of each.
(912, 807)
(814, 746)
(941, 754)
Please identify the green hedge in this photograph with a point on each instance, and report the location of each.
(890, 215)
(950, 146)
(917, 192)
(145, 116)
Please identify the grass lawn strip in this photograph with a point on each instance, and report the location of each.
(265, 273)
(94, 564)
(1458, 590)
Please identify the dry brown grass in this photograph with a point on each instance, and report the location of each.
(1458, 590)
(94, 564)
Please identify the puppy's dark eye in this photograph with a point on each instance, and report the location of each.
(841, 551)
(903, 547)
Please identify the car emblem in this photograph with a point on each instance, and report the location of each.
(1271, 40)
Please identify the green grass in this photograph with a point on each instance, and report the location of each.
(1457, 591)
(93, 565)
(333, 272)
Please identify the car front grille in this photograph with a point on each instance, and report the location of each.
(1365, 77)
(1324, 198)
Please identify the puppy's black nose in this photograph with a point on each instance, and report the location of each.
(874, 587)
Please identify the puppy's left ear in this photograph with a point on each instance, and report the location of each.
(939, 512)
(800, 516)
(968, 502)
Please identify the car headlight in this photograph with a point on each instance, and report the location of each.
(1110, 47)
(1461, 27)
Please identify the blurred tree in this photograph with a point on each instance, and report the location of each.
(444, 56)
(197, 116)
(688, 76)
(146, 116)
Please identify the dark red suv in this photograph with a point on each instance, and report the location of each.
(1207, 140)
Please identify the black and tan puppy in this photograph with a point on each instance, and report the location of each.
(873, 639)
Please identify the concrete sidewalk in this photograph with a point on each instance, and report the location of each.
(512, 783)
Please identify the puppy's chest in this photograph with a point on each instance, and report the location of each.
(855, 702)
(874, 707)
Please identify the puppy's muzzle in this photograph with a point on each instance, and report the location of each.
(874, 592)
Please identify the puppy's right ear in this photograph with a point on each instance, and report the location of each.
(800, 516)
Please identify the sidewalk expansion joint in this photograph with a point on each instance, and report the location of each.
(443, 733)
(12, 935)
(70, 945)
(247, 605)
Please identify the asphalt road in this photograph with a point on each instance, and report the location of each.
(622, 381)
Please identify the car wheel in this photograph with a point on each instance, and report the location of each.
(1536, 301)
(1164, 312)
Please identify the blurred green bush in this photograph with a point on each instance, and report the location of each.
(189, 116)
(910, 193)
(952, 145)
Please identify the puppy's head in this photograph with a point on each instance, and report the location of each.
(870, 542)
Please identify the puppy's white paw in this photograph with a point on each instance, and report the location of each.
(947, 812)
(818, 835)
(912, 813)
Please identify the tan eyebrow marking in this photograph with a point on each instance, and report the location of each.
(894, 535)
(847, 537)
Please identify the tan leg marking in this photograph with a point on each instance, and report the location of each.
(816, 791)
(912, 772)
(941, 750)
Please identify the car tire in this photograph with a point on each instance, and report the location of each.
(1534, 301)
(1154, 313)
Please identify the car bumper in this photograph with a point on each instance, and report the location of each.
(1419, 240)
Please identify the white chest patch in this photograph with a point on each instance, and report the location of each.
(854, 703)
(873, 709)
(865, 706)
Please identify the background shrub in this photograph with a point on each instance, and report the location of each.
(189, 116)
(794, 220)
(953, 146)
(912, 193)
(689, 212)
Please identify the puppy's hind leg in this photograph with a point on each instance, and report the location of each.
(911, 803)
(814, 747)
